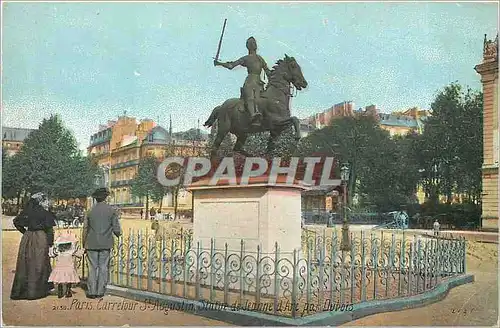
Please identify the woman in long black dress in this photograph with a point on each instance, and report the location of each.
(33, 268)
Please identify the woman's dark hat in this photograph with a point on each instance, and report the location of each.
(101, 193)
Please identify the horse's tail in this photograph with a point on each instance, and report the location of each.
(213, 117)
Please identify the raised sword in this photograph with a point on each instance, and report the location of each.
(220, 43)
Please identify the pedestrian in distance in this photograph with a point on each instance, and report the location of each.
(155, 227)
(100, 225)
(436, 228)
(142, 213)
(158, 216)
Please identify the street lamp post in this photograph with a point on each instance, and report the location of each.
(344, 175)
(97, 183)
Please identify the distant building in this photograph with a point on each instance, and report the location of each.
(488, 70)
(400, 123)
(397, 123)
(306, 127)
(119, 145)
(13, 139)
(320, 120)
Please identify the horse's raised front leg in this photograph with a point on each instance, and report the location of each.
(296, 126)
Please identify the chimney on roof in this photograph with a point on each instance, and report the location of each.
(414, 112)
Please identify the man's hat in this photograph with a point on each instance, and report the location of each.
(101, 192)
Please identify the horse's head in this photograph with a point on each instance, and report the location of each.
(294, 75)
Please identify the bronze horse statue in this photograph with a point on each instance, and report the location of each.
(273, 104)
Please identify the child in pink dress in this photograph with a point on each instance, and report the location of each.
(64, 273)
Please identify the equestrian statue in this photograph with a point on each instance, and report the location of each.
(258, 109)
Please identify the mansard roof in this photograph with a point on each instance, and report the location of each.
(157, 135)
(15, 134)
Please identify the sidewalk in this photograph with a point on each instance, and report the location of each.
(470, 304)
(481, 236)
(7, 223)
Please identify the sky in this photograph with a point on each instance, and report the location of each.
(90, 62)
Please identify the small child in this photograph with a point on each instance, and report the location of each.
(155, 226)
(64, 273)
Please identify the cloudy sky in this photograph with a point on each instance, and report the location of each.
(90, 62)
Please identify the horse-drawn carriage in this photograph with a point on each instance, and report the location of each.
(69, 217)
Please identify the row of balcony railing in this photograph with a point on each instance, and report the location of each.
(125, 164)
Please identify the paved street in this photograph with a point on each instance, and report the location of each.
(471, 304)
(47, 312)
(7, 222)
(474, 304)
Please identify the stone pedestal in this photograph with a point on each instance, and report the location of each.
(257, 214)
(245, 217)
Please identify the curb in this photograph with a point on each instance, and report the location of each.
(249, 318)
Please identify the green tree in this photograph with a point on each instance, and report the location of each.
(285, 145)
(451, 145)
(145, 184)
(390, 177)
(11, 182)
(256, 144)
(81, 182)
(349, 140)
(175, 171)
(408, 175)
(50, 161)
(226, 147)
(377, 163)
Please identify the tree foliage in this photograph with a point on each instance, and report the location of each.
(369, 152)
(49, 161)
(385, 172)
(145, 183)
(11, 186)
(256, 144)
(450, 150)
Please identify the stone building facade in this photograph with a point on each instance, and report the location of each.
(396, 123)
(118, 147)
(13, 139)
(488, 70)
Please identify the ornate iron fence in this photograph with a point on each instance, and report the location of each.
(319, 278)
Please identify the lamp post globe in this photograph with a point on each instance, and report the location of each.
(344, 175)
(97, 180)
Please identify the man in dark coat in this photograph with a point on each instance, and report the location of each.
(101, 223)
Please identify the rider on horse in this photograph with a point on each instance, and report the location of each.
(253, 85)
